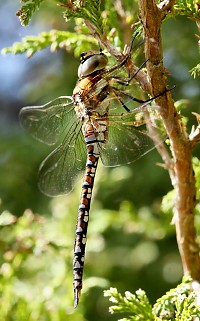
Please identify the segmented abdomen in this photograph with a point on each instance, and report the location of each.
(83, 210)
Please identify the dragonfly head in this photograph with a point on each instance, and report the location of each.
(91, 61)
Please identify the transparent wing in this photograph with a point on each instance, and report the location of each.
(58, 172)
(131, 135)
(46, 123)
(49, 123)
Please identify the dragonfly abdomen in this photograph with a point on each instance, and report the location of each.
(83, 210)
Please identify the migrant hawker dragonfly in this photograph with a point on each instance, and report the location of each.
(99, 120)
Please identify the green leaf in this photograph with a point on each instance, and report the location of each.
(137, 305)
(7, 218)
(55, 39)
(186, 8)
(179, 304)
(27, 10)
(196, 168)
(89, 10)
(196, 71)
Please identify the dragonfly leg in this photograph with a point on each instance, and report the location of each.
(117, 91)
(119, 99)
(140, 101)
(126, 80)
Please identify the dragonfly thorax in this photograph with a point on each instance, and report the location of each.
(87, 95)
(91, 61)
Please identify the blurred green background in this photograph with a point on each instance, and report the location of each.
(131, 243)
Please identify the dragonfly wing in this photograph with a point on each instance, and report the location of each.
(46, 123)
(131, 135)
(58, 172)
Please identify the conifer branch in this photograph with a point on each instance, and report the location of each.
(27, 10)
(55, 39)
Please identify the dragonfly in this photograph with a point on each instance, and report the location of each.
(99, 120)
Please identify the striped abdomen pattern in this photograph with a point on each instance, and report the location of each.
(83, 210)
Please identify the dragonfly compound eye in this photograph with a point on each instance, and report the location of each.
(91, 63)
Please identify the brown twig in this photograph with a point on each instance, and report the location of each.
(181, 173)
